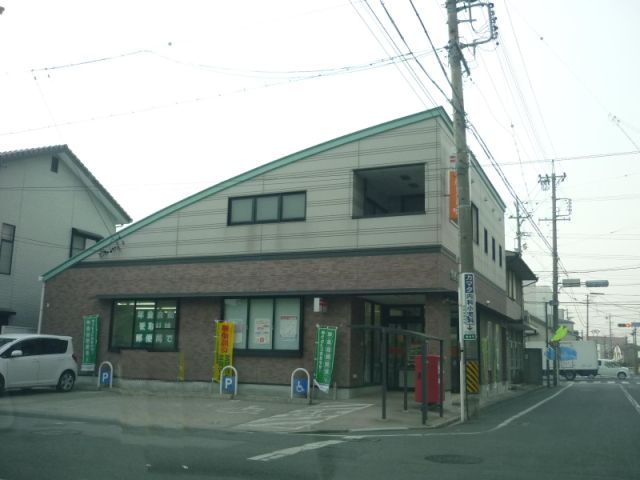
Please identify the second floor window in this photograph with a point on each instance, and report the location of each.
(81, 241)
(386, 191)
(475, 221)
(7, 238)
(280, 207)
(486, 241)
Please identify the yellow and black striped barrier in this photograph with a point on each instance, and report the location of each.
(472, 369)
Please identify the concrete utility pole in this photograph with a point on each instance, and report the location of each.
(545, 181)
(610, 337)
(591, 293)
(467, 317)
(635, 351)
(519, 233)
(462, 173)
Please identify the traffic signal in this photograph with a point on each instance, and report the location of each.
(625, 325)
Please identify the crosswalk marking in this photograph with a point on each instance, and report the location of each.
(304, 417)
(608, 382)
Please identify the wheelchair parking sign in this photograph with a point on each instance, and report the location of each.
(300, 387)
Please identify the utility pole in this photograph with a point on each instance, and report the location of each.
(545, 181)
(519, 233)
(463, 200)
(610, 338)
(635, 351)
(467, 317)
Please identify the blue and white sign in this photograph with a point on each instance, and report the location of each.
(300, 387)
(105, 375)
(469, 327)
(228, 384)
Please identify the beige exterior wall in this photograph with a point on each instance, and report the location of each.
(201, 229)
(491, 212)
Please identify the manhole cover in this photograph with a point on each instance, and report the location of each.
(454, 459)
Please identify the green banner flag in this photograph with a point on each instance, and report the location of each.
(325, 354)
(89, 343)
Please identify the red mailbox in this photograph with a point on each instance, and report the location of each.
(433, 379)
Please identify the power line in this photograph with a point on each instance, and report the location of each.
(395, 26)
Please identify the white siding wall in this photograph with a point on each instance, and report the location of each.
(44, 206)
(490, 213)
(201, 229)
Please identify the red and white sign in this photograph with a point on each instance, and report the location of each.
(320, 305)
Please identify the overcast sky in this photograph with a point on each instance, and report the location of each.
(163, 99)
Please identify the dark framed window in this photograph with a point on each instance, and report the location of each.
(278, 207)
(475, 224)
(7, 239)
(486, 241)
(81, 241)
(500, 255)
(386, 191)
(265, 324)
(55, 161)
(493, 248)
(144, 324)
(512, 291)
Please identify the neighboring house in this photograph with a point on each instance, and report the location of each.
(362, 222)
(51, 208)
(607, 345)
(517, 273)
(538, 312)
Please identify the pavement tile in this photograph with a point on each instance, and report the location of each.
(208, 410)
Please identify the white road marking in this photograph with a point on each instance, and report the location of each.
(267, 457)
(302, 418)
(631, 399)
(530, 409)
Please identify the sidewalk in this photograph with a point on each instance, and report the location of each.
(202, 408)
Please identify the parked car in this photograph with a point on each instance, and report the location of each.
(612, 368)
(33, 360)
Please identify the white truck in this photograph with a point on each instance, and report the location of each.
(577, 357)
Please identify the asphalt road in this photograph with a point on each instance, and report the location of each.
(581, 430)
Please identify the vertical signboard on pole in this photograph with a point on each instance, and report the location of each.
(325, 354)
(469, 328)
(89, 343)
(224, 348)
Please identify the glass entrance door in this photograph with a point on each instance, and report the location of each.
(402, 349)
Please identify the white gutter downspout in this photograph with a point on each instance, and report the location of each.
(41, 312)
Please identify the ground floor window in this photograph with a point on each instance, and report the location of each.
(265, 324)
(144, 324)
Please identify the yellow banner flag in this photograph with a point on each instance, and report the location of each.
(224, 348)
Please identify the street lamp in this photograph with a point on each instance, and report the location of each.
(592, 293)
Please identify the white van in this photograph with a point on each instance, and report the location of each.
(33, 360)
(612, 368)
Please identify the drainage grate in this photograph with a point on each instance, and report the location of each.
(454, 459)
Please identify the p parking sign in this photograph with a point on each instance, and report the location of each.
(228, 384)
